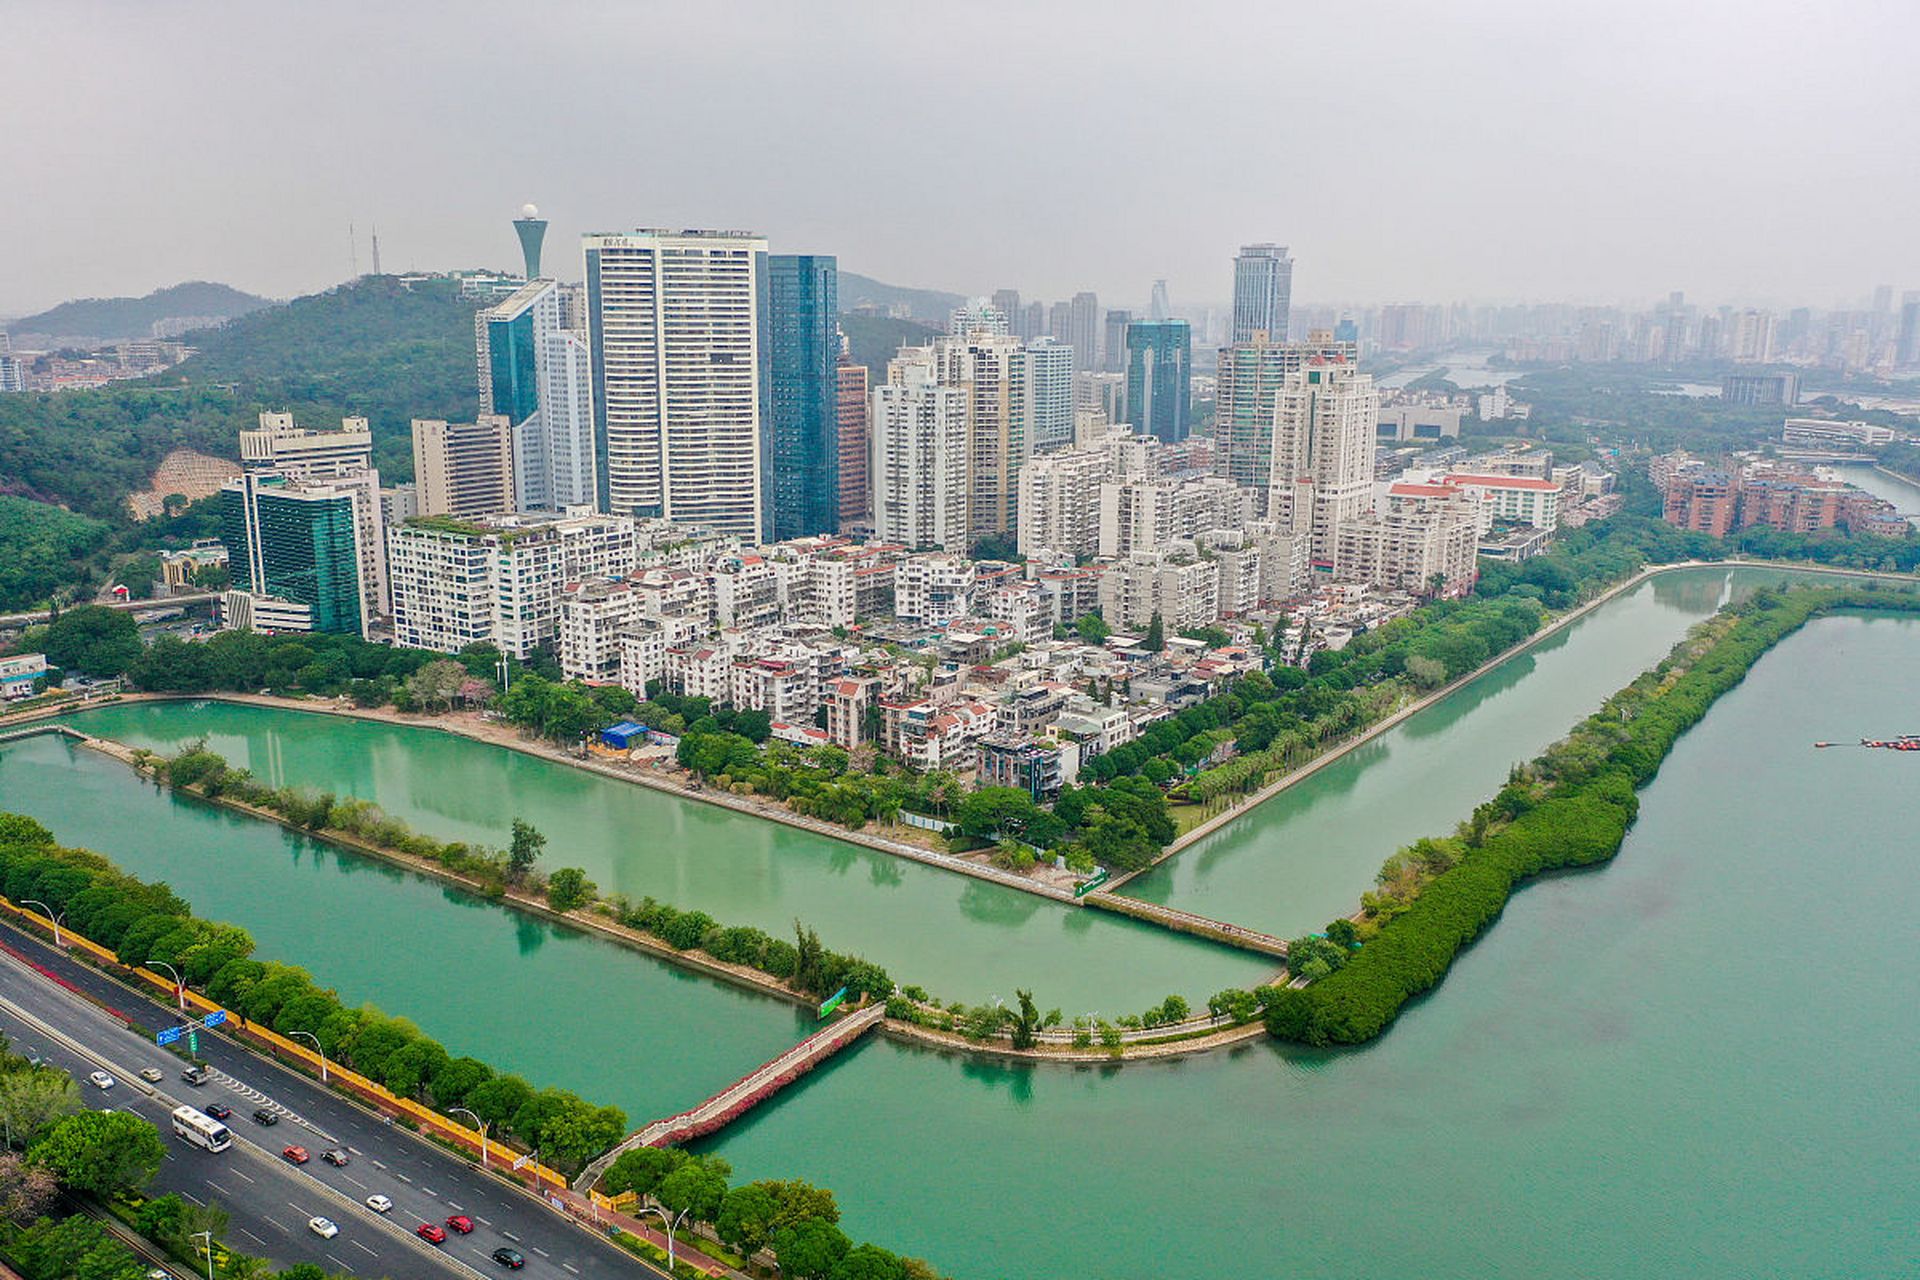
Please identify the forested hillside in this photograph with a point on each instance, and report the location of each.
(88, 320)
(872, 340)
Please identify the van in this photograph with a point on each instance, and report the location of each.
(196, 1073)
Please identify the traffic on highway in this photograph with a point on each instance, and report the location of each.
(305, 1175)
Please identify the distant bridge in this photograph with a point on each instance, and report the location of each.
(155, 605)
(1234, 935)
(743, 1094)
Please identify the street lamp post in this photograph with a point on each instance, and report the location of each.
(179, 987)
(51, 914)
(317, 1048)
(673, 1224)
(462, 1111)
(209, 1238)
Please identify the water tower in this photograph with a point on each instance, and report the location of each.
(532, 229)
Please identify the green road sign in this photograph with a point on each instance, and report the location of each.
(193, 1043)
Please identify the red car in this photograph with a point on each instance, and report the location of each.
(430, 1233)
(296, 1155)
(462, 1223)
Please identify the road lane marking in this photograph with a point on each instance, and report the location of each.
(277, 1225)
(570, 1267)
(482, 1221)
(403, 1177)
(336, 1262)
(430, 1191)
(509, 1235)
(217, 1187)
(296, 1208)
(542, 1252)
(190, 1196)
(378, 1164)
(243, 1177)
(355, 1181)
(362, 1248)
(256, 1239)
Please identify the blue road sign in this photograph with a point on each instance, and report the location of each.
(214, 1019)
(169, 1035)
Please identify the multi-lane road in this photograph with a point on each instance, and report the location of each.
(269, 1199)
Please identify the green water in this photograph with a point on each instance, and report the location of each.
(1302, 858)
(556, 1005)
(961, 938)
(1700, 1061)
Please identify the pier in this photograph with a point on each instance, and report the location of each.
(743, 1094)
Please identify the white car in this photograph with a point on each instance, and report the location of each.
(379, 1204)
(151, 1075)
(323, 1227)
(100, 1080)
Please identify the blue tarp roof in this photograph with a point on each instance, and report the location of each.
(621, 734)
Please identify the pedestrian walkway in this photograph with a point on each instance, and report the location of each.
(1187, 922)
(743, 1094)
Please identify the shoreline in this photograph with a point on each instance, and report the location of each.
(1201, 1035)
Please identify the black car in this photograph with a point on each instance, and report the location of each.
(217, 1111)
(511, 1259)
(264, 1116)
(335, 1156)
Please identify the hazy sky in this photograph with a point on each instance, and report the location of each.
(1405, 149)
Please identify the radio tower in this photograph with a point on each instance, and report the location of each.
(376, 248)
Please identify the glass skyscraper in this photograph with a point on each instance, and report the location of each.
(1160, 379)
(295, 542)
(800, 421)
(1262, 292)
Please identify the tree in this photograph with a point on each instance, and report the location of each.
(746, 1218)
(641, 1170)
(26, 1190)
(94, 639)
(524, 850)
(437, 684)
(1027, 1022)
(800, 1200)
(869, 1262)
(568, 888)
(33, 1099)
(1156, 638)
(498, 1101)
(103, 1152)
(1093, 628)
(808, 1249)
(1342, 932)
(697, 1188)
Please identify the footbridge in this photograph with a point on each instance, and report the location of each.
(743, 1094)
(1234, 935)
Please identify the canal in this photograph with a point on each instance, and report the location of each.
(1302, 858)
(1690, 1062)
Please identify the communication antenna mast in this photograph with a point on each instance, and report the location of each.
(376, 248)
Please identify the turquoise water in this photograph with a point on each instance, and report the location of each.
(1700, 1060)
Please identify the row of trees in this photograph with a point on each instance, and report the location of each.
(795, 1219)
(143, 922)
(1570, 807)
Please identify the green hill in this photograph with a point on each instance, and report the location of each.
(99, 320)
(930, 306)
(369, 348)
(872, 340)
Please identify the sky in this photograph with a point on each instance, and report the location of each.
(1751, 151)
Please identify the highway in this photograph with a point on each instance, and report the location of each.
(268, 1198)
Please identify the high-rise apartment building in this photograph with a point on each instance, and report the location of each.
(1262, 292)
(1060, 503)
(1113, 346)
(800, 433)
(1049, 395)
(673, 328)
(463, 468)
(1160, 378)
(508, 338)
(1083, 331)
(1325, 418)
(293, 548)
(1007, 303)
(498, 580)
(1060, 322)
(978, 316)
(919, 455)
(1248, 376)
(343, 458)
(566, 418)
(852, 408)
(991, 368)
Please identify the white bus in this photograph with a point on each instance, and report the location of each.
(200, 1129)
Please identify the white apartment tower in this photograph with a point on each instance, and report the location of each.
(1325, 416)
(674, 338)
(918, 459)
(991, 368)
(1049, 382)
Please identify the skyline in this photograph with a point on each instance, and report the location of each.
(1400, 159)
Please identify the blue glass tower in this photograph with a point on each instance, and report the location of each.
(1160, 378)
(799, 390)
